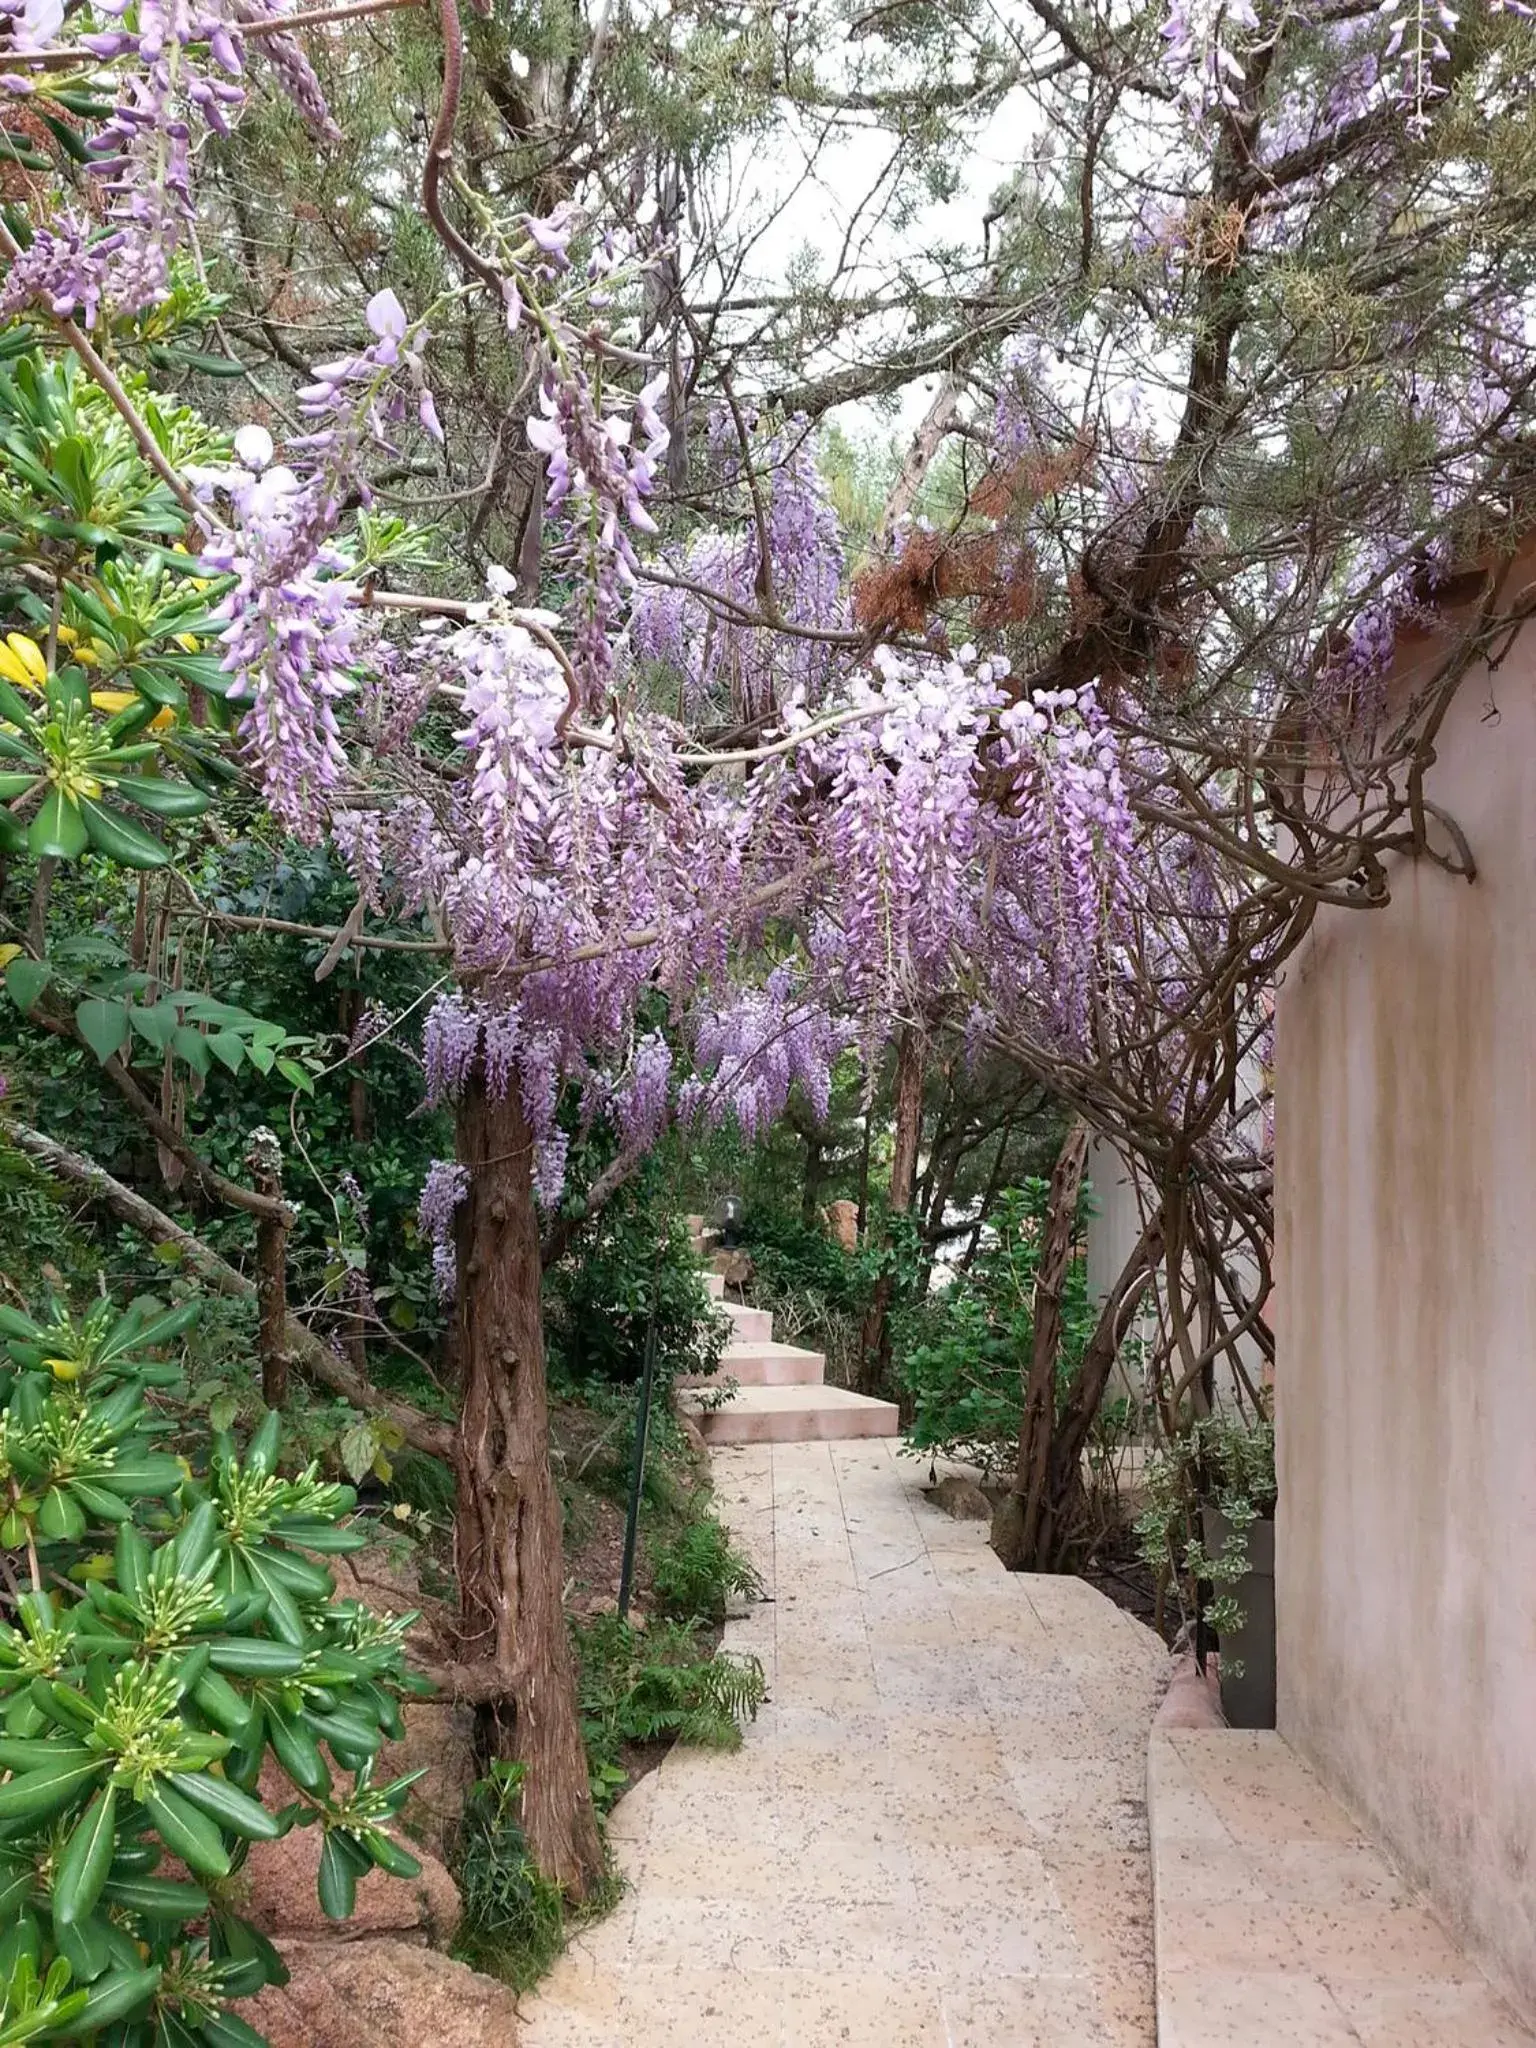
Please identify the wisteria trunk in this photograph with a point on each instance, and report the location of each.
(508, 1534)
(875, 1347)
(1014, 1526)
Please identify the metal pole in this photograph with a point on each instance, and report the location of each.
(637, 1474)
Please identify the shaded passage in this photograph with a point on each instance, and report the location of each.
(936, 1831)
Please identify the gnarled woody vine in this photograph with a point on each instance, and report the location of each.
(1070, 772)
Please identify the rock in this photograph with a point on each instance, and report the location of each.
(440, 1738)
(439, 1734)
(961, 1498)
(693, 1436)
(281, 1899)
(735, 1266)
(843, 1224)
(381, 1994)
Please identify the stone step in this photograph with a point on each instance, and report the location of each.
(752, 1325)
(762, 1363)
(714, 1285)
(792, 1415)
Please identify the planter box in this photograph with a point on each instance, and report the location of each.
(1249, 1701)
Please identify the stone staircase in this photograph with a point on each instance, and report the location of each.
(781, 1392)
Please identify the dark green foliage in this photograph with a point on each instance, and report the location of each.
(657, 1685)
(818, 1293)
(423, 1483)
(36, 1227)
(694, 1573)
(630, 1263)
(514, 1919)
(789, 1257)
(964, 1354)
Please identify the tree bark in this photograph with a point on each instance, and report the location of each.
(264, 1157)
(317, 1359)
(1039, 1526)
(814, 1179)
(359, 1107)
(875, 1347)
(1011, 1538)
(926, 443)
(508, 1537)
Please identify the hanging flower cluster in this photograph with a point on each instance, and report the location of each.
(175, 66)
(695, 612)
(444, 1188)
(752, 1050)
(601, 466)
(293, 625)
(291, 633)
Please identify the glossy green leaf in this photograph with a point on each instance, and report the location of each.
(337, 1884)
(121, 838)
(119, 1995)
(37, 1793)
(164, 797)
(160, 1898)
(87, 1857)
(58, 831)
(227, 1804)
(186, 1832)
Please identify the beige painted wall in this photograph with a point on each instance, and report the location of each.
(1406, 1369)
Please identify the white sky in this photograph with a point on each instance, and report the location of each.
(821, 212)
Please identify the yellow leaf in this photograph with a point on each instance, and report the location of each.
(30, 655)
(113, 701)
(63, 1368)
(188, 640)
(14, 672)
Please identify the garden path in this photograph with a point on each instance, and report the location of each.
(935, 1833)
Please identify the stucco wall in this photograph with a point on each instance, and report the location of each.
(1406, 1367)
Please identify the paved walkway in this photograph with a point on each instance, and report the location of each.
(935, 1834)
(1279, 1925)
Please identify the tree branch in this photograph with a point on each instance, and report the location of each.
(317, 1359)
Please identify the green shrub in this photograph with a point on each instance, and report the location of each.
(963, 1355)
(818, 1293)
(173, 1629)
(513, 1923)
(694, 1572)
(790, 1257)
(631, 1263)
(1225, 1461)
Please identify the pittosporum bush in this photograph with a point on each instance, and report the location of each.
(167, 1629)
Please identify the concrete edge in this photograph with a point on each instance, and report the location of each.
(1192, 1701)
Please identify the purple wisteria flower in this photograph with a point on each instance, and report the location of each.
(291, 627)
(445, 1186)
